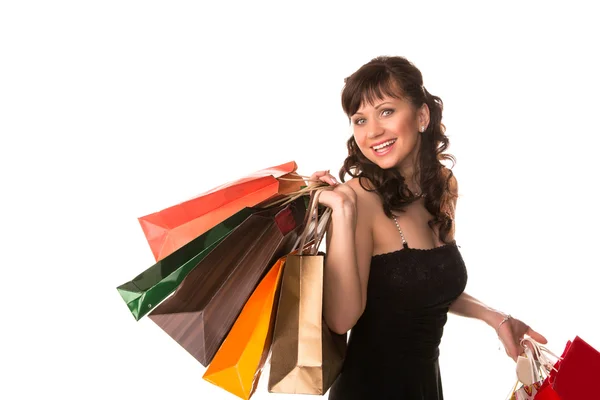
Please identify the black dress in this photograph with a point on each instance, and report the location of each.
(393, 348)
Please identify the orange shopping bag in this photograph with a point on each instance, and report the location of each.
(239, 361)
(173, 227)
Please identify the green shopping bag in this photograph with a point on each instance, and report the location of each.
(148, 289)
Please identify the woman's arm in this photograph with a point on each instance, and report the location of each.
(468, 306)
(510, 330)
(349, 248)
(510, 333)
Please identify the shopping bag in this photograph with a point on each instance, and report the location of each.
(204, 307)
(173, 227)
(546, 391)
(238, 364)
(148, 289)
(527, 392)
(578, 373)
(533, 369)
(306, 356)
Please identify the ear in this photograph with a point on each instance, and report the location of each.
(423, 116)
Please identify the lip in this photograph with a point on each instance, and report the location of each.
(382, 142)
(386, 151)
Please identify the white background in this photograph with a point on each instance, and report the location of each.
(110, 110)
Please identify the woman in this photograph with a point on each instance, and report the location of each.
(393, 269)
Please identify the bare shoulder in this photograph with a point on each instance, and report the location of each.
(367, 198)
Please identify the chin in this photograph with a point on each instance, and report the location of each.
(387, 163)
(383, 165)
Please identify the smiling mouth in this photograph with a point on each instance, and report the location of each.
(383, 147)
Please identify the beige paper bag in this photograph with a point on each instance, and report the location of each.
(306, 356)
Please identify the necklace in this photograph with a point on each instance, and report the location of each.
(417, 195)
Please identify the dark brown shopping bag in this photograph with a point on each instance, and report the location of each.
(204, 307)
(306, 355)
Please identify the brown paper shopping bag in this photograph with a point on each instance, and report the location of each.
(201, 312)
(306, 355)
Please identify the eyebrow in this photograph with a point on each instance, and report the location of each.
(376, 107)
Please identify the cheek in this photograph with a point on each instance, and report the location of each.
(363, 147)
(360, 140)
(400, 126)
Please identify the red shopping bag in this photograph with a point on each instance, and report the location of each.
(547, 393)
(578, 373)
(169, 229)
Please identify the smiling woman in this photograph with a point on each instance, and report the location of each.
(398, 142)
(393, 269)
(396, 120)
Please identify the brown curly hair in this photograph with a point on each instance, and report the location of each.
(399, 78)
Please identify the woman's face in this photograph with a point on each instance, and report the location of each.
(387, 132)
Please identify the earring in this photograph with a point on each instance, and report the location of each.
(422, 128)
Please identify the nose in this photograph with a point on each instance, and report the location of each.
(374, 129)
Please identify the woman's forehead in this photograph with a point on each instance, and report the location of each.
(368, 103)
(369, 93)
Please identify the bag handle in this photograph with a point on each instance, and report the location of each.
(290, 197)
(311, 212)
(306, 230)
(541, 353)
(317, 228)
(300, 178)
(322, 228)
(537, 356)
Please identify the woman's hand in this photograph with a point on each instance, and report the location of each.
(511, 333)
(341, 200)
(323, 176)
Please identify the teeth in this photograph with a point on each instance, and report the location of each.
(382, 145)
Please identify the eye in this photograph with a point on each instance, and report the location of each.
(387, 110)
(357, 121)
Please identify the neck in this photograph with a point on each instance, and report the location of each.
(407, 170)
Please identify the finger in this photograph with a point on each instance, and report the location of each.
(329, 179)
(316, 178)
(318, 174)
(330, 199)
(536, 336)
